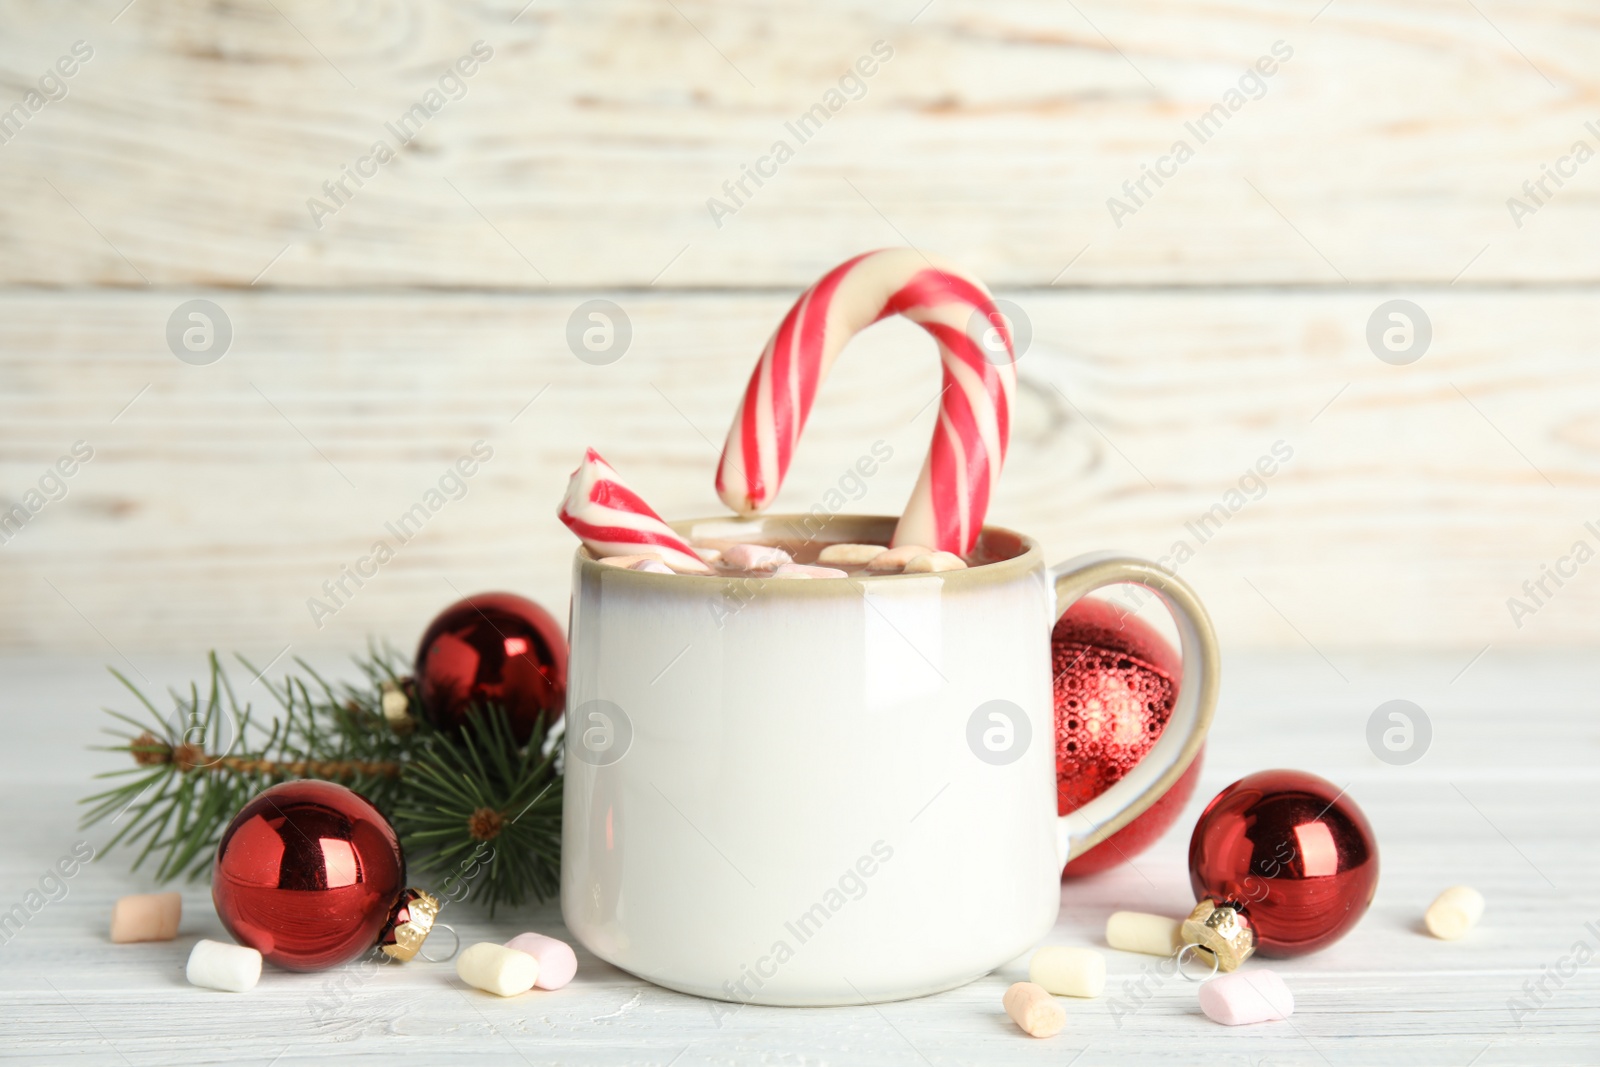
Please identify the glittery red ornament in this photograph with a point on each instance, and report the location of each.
(493, 648)
(1116, 680)
(1292, 854)
(309, 874)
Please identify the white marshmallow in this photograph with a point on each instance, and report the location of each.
(1068, 972)
(754, 557)
(627, 562)
(850, 553)
(935, 561)
(893, 559)
(1136, 931)
(557, 962)
(1035, 1010)
(1456, 911)
(505, 972)
(1246, 997)
(650, 566)
(801, 570)
(147, 917)
(712, 556)
(230, 968)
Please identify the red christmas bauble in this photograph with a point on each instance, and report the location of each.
(493, 648)
(308, 873)
(1292, 853)
(1116, 680)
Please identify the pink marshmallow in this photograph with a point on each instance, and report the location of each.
(557, 962)
(802, 570)
(1246, 997)
(148, 917)
(754, 557)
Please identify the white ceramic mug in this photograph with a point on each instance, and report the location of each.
(829, 792)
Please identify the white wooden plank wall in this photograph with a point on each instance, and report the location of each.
(1227, 313)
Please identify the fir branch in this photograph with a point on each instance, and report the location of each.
(482, 816)
(205, 759)
(475, 812)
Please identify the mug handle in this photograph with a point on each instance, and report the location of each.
(1080, 830)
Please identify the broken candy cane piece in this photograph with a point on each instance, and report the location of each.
(1246, 997)
(1068, 972)
(1035, 1010)
(557, 962)
(505, 972)
(146, 917)
(754, 557)
(936, 561)
(1454, 912)
(613, 520)
(802, 570)
(850, 553)
(230, 968)
(894, 559)
(1137, 931)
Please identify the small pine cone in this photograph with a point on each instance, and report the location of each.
(485, 824)
(149, 751)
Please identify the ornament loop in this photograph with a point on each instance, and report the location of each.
(1198, 949)
(455, 945)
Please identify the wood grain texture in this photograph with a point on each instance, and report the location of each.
(1503, 809)
(585, 151)
(1415, 502)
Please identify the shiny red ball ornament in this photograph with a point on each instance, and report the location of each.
(309, 874)
(1116, 680)
(493, 648)
(1285, 857)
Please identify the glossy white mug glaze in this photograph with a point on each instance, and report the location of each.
(834, 791)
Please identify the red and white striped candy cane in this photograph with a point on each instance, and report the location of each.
(613, 520)
(947, 507)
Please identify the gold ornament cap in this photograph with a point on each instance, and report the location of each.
(396, 704)
(1222, 930)
(408, 928)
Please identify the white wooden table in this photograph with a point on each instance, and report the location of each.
(1505, 799)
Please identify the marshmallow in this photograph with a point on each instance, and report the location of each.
(557, 962)
(935, 561)
(148, 917)
(1246, 997)
(1036, 1011)
(496, 969)
(895, 558)
(1068, 972)
(754, 557)
(627, 562)
(712, 556)
(650, 566)
(1135, 931)
(230, 968)
(1456, 911)
(850, 553)
(801, 570)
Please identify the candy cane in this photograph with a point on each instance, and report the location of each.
(613, 520)
(947, 507)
